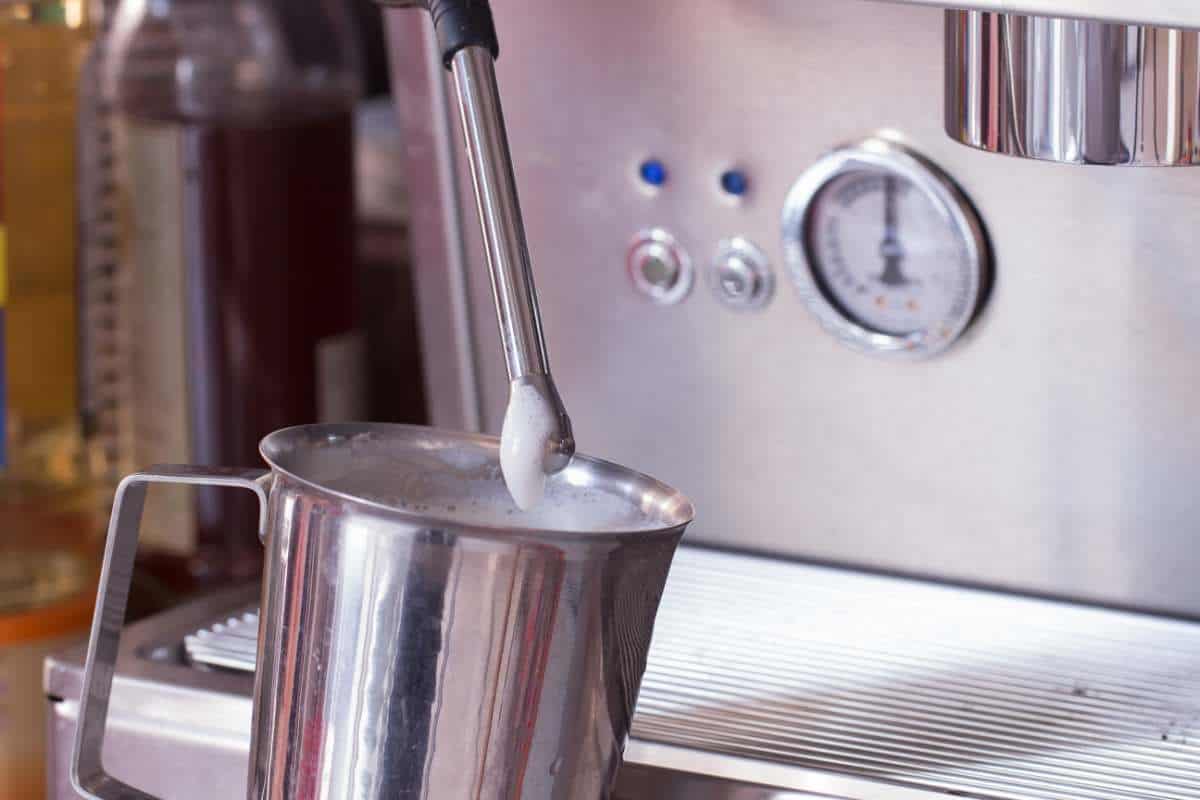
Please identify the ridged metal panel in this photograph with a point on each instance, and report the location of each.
(231, 642)
(961, 691)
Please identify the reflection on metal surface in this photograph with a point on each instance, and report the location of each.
(468, 660)
(1072, 91)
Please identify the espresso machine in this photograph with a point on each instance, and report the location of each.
(868, 281)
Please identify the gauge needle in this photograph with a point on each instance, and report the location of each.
(890, 249)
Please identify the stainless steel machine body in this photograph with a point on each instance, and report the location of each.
(1052, 449)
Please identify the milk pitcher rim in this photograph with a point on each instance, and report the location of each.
(666, 508)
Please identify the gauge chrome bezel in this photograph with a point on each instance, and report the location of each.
(878, 154)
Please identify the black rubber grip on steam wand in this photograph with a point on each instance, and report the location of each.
(462, 23)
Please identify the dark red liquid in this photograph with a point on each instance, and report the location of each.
(269, 251)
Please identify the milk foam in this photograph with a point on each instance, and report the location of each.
(423, 472)
(529, 425)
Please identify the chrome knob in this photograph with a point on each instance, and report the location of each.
(741, 276)
(659, 267)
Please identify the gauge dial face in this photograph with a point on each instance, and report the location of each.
(886, 252)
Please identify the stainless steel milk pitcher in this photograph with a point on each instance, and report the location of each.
(420, 637)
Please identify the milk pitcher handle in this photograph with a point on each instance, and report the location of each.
(87, 773)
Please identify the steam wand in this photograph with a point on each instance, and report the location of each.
(467, 38)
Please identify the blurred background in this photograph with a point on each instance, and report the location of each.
(185, 187)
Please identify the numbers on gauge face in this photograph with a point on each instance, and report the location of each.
(885, 251)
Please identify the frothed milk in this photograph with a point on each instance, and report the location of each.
(462, 483)
(524, 439)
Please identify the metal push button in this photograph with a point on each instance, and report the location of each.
(659, 267)
(741, 277)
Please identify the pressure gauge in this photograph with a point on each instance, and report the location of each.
(885, 250)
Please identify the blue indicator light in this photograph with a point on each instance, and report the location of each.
(653, 172)
(734, 182)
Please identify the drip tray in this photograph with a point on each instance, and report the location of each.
(841, 684)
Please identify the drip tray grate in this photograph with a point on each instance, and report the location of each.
(811, 670)
(231, 643)
(955, 691)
